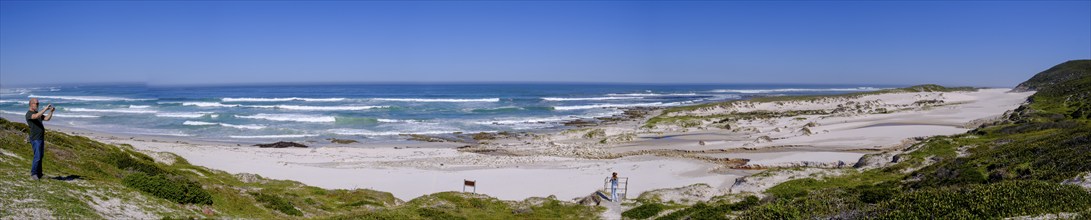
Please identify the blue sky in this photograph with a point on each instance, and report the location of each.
(952, 43)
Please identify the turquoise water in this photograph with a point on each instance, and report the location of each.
(365, 112)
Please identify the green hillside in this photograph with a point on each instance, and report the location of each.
(93, 180)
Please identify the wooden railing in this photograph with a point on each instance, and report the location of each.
(622, 187)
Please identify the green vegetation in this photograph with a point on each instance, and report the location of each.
(274, 202)
(90, 176)
(702, 211)
(644, 211)
(455, 205)
(595, 133)
(173, 188)
(1004, 199)
(1062, 91)
(1010, 168)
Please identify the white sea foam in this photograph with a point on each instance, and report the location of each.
(594, 106)
(385, 120)
(201, 123)
(16, 91)
(75, 116)
(119, 110)
(364, 132)
(436, 100)
(558, 99)
(651, 94)
(208, 104)
(175, 134)
(282, 99)
(514, 121)
(725, 96)
(290, 117)
(753, 91)
(62, 115)
(140, 106)
(88, 98)
(272, 136)
(544, 122)
(317, 108)
(182, 114)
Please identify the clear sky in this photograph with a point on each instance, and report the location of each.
(828, 42)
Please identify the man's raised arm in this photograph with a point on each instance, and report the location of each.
(50, 116)
(37, 115)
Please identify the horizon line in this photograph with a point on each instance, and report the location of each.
(149, 84)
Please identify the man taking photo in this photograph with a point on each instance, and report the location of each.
(36, 137)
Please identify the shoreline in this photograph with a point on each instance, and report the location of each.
(568, 164)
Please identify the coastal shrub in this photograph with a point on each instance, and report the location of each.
(381, 214)
(364, 202)
(8, 125)
(595, 133)
(702, 211)
(1052, 155)
(647, 210)
(429, 213)
(177, 189)
(122, 160)
(275, 202)
(876, 193)
(456, 205)
(793, 188)
(818, 204)
(986, 201)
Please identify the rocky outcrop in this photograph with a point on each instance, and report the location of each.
(876, 160)
(1082, 181)
(249, 178)
(589, 200)
(281, 144)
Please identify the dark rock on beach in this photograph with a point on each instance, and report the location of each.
(281, 144)
(580, 123)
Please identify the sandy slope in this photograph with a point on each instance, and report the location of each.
(854, 132)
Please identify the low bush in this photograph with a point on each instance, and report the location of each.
(177, 189)
(429, 213)
(986, 201)
(876, 193)
(706, 211)
(124, 161)
(275, 202)
(644, 211)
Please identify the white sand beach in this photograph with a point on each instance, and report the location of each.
(570, 165)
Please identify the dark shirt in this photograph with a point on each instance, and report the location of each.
(37, 130)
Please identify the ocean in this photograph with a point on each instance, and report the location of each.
(363, 112)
